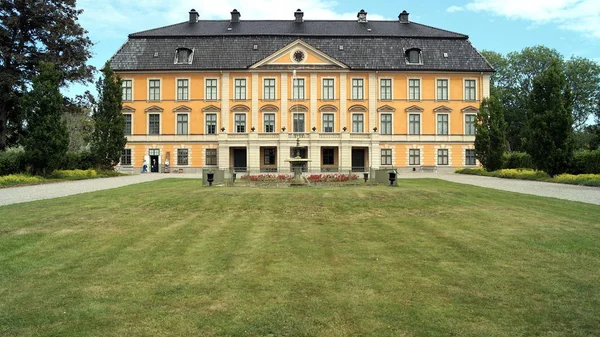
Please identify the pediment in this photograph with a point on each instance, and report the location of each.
(328, 108)
(127, 109)
(442, 108)
(154, 108)
(182, 108)
(211, 108)
(298, 108)
(299, 54)
(358, 108)
(470, 108)
(240, 108)
(414, 108)
(269, 107)
(386, 108)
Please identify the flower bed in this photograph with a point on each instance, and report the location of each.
(267, 177)
(335, 177)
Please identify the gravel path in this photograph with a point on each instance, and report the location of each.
(587, 194)
(14, 195)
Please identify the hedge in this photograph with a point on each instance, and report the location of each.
(586, 162)
(12, 161)
(515, 160)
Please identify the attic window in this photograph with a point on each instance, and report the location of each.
(184, 56)
(413, 56)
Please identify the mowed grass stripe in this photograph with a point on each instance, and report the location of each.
(170, 258)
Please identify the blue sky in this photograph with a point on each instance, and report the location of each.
(570, 26)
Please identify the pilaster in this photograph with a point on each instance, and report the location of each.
(343, 101)
(284, 100)
(224, 106)
(372, 102)
(313, 101)
(255, 100)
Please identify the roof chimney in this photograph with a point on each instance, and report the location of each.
(403, 17)
(235, 15)
(194, 16)
(362, 16)
(299, 14)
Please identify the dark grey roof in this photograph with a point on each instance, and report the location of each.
(215, 48)
(306, 28)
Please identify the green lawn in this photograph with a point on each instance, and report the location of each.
(171, 258)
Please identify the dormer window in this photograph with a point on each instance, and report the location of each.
(413, 56)
(184, 56)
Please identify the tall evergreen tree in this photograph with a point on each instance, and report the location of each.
(550, 121)
(108, 137)
(32, 32)
(490, 136)
(47, 136)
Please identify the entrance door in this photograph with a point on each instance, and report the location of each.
(358, 160)
(239, 160)
(153, 163)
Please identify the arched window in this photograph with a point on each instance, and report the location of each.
(184, 56)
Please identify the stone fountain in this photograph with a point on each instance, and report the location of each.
(297, 164)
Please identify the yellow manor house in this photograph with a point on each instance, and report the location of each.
(357, 95)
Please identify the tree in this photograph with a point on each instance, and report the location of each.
(47, 137)
(490, 137)
(108, 137)
(32, 32)
(583, 76)
(550, 121)
(78, 115)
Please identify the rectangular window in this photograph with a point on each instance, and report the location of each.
(154, 124)
(358, 88)
(240, 123)
(442, 156)
(211, 156)
(154, 90)
(128, 125)
(414, 157)
(127, 87)
(386, 156)
(298, 88)
(414, 89)
(269, 88)
(442, 89)
(298, 122)
(269, 158)
(470, 157)
(211, 89)
(269, 122)
(183, 89)
(358, 124)
(328, 122)
(386, 124)
(328, 156)
(182, 124)
(211, 124)
(182, 157)
(126, 157)
(414, 124)
(385, 89)
(240, 89)
(470, 92)
(470, 125)
(328, 88)
(442, 124)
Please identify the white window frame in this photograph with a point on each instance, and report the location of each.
(392, 121)
(407, 56)
(437, 130)
(177, 123)
(391, 79)
(437, 157)
(391, 156)
(323, 89)
(420, 123)
(206, 89)
(132, 89)
(363, 121)
(130, 157)
(274, 121)
(160, 87)
(303, 113)
(216, 113)
(245, 88)
(274, 88)
(303, 90)
(465, 89)
(420, 156)
(475, 154)
(437, 98)
(323, 121)
(245, 122)
(352, 79)
(189, 156)
(189, 89)
(160, 122)
(465, 124)
(130, 114)
(205, 157)
(408, 88)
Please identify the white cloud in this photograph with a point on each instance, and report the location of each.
(581, 16)
(453, 9)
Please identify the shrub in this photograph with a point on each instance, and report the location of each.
(12, 161)
(81, 160)
(73, 174)
(514, 160)
(586, 162)
(581, 179)
(522, 174)
(19, 179)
